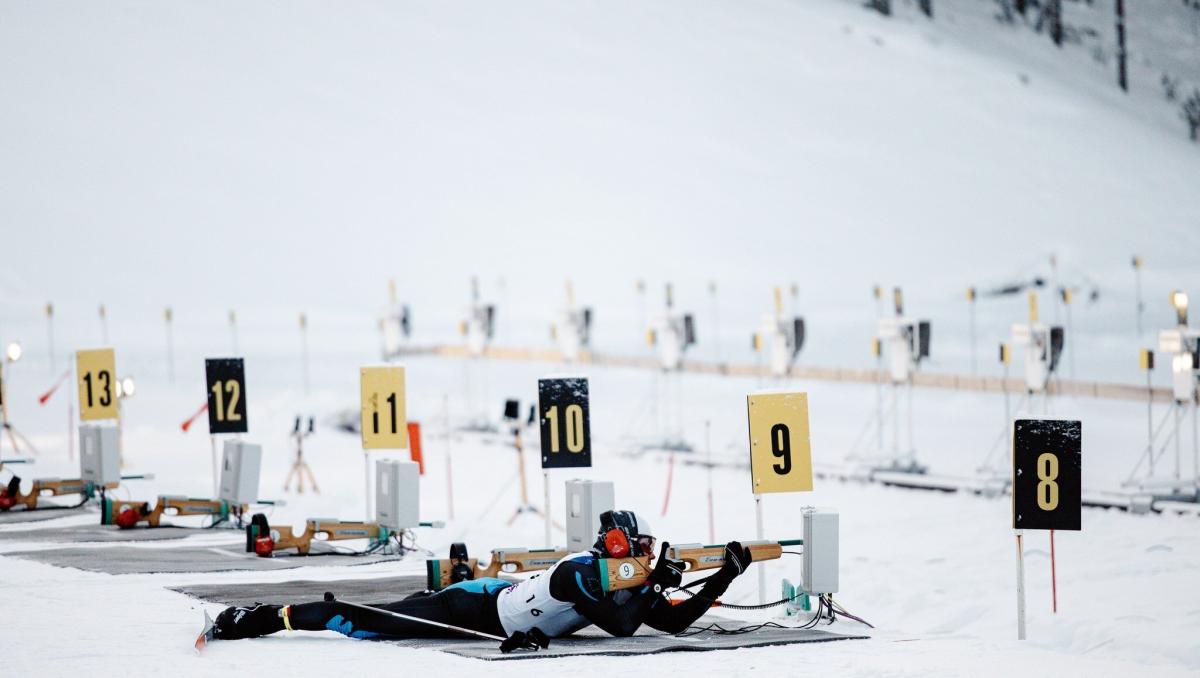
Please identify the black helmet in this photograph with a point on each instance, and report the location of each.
(623, 534)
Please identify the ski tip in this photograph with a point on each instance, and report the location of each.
(205, 635)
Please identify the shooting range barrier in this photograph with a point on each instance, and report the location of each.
(590, 641)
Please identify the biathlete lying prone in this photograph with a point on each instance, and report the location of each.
(552, 604)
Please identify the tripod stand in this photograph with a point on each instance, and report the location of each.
(525, 506)
(14, 436)
(300, 467)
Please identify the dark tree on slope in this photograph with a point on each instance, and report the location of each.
(1191, 114)
(1050, 18)
(926, 7)
(1122, 72)
(884, 7)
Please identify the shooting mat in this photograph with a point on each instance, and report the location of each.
(118, 559)
(47, 513)
(590, 641)
(77, 534)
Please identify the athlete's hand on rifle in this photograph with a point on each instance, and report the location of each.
(737, 559)
(667, 574)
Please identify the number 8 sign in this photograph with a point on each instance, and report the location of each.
(780, 452)
(1047, 485)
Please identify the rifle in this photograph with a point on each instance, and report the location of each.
(626, 573)
(263, 539)
(615, 573)
(54, 487)
(127, 514)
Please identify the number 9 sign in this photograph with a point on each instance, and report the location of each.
(780, 452)
(1047, 485)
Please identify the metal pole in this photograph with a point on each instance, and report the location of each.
(1020, 588)
(1070, 341)
(170, 349)
(1150, 423)
(1053, 578)
(879, 396)
(546, 491)
(71, 429)
(50, 335)
(367, 515)
(912, 448)
(895, 422)
(216, 483)
(1178, 452)
(762, 575)
(974, 368)
(449, 473)
(1137, 277)
(1195, 442)
(712, 532)
(1008, 418)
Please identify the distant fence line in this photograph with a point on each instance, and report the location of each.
(956, 382)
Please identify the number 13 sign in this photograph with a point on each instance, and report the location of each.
(1047, 485)
(780, 453)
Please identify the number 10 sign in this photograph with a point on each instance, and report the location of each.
(780, 453)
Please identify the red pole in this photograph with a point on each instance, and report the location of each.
(1053, 577)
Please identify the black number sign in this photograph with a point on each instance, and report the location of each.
(566, 436)
(226, 380)
(1047, 478)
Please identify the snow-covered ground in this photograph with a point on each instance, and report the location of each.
(281, 158)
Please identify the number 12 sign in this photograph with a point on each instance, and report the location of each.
(226, 380)
(780, 453)
(384, 420)
(1047, 477)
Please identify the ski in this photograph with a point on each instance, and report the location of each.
(205, 635)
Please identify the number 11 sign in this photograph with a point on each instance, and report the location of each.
(780, 453)
(384, 422)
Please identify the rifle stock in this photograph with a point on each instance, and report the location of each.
(169, 506)
(320, 529)
(441, 573)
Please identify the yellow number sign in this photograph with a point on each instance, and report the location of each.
(384, 423)
(97, 374)
(780, 452)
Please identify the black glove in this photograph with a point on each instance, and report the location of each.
(521, 640)
(667, 574)
(737, 559)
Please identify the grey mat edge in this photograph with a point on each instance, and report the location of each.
(476, 653)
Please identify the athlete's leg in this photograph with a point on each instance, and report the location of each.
(475, 610)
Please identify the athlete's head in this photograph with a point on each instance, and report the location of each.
(624, 534)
